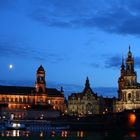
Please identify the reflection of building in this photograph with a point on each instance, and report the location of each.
(24, 98)
(85, 103)
(128, 87)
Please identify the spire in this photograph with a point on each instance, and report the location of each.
(62, 91)
(129, 52)
(87, 83)
(122, 66)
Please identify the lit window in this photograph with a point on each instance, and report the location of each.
(49, 102)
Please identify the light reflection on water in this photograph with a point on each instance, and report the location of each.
(103, 135)
(131, 119)
(74, 134)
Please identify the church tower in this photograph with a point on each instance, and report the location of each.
(40, 80)
(128, 76)
(131, 76)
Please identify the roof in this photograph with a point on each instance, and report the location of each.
(19, 90)
(14, 90)
(53, 92)
(40, 68)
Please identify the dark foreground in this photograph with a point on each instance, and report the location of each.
(74, 135)
(122, 126)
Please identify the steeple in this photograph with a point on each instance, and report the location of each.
(122, 67)
(129, 63)
(87, 84)
(129, 52)
(62, 91)
(87, 89)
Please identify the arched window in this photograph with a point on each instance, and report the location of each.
(11, 99)
(20, 100)
(40, 90)
(16, 100)
(129, 96)
(29, 101)
(24, 100)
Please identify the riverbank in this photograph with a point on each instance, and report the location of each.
(128, 120)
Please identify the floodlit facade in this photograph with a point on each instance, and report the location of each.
(18, 100)
(128, 87)
(84, 103)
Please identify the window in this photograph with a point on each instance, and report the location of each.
(137, 96)
(20, 100)
(29, 100)
(24, 100)
(129, 96)
(49, 102)
(16, 99)
(11, 99)
(3, 99)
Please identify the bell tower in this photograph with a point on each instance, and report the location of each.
(128, 77)
(130, 64)
(121, 80)
(40, 80)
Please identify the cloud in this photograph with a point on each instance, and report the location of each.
(112, 62)
(116, 61)
(15, 49)
(115, 16)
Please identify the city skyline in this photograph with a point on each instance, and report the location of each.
(72, 40)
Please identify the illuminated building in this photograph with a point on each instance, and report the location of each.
(128, 87)
(22, 99)
(84, 103)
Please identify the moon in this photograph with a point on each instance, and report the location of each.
(10, 66)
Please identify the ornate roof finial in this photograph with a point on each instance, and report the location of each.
(122, 59)
(129, 52)
(87, 83)
(129, 47)
(62, 89)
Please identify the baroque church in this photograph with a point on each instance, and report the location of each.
(18, 100)
(128, 87)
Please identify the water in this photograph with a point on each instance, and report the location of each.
(69, 135)
(118, 133)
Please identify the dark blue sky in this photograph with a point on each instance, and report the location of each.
(71, 39)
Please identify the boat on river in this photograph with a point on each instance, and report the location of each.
(14, 125)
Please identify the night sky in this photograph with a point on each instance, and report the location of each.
(72, 39)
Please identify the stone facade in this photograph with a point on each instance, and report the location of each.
(14, 98)
(84, 103)
(128, 87)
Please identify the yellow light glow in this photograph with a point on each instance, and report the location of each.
(131, 119)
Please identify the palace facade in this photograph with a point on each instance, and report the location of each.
(84, 103)
(128, 87)
(21, 99)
